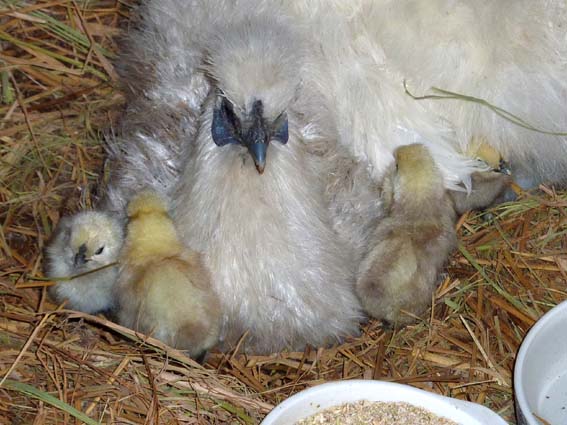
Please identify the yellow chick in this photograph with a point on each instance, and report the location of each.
(163, 288)
(410, 245)
(480, 149)
(487, 187)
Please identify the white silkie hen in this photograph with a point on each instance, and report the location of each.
(212, 84)
(260, 217)
(81, 244)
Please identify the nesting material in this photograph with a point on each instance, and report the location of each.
(375, 413)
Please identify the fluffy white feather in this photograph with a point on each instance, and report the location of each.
(511, 53)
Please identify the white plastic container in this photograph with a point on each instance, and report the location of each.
(540, 373)
(321, 397)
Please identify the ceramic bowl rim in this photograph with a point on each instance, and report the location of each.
(472, 410)
(519, 395)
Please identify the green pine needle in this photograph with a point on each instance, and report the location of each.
(33, 392)
(508, 116)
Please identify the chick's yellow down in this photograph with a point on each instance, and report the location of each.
(164, 289)
(399, 274)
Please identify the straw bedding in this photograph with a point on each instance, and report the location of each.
(58, 91)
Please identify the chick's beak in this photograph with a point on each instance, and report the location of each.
(81, 256)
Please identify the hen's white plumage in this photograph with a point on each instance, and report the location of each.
(282, 247)
(511, 53)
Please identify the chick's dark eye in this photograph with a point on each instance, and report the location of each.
(99, 251)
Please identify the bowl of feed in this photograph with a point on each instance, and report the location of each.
(540, 372)
(387, 403)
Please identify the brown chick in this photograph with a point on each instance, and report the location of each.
(410, 245)
(163, 288)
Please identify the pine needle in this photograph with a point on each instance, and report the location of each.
(33, 392)
(508, 116)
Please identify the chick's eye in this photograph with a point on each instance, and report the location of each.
(99, 251)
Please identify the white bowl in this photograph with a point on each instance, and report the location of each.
(313, 400)
(540, 373)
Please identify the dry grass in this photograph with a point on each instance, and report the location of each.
(58, 90)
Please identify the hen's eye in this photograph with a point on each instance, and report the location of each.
(99, 251)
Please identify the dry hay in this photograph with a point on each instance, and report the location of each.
(58, 89)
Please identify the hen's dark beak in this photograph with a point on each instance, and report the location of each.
(258, 152)
(81, 256)
(257, 136)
